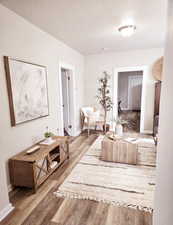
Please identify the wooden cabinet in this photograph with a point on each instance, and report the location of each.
(157, 98)
(156, 107)
(33, 169)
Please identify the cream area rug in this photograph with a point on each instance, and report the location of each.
(112, 183)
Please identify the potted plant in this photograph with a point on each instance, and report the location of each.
(48, 135)
(119, 126)
(104, 96)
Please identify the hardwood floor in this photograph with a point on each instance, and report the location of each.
(43, 208)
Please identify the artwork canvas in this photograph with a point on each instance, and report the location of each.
(27, 90)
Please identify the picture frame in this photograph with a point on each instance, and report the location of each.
(27, 90)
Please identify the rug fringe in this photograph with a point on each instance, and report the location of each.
(116, 203)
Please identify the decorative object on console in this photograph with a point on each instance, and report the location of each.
(33, 149)
(48, 135)
(104, 96)
(27, 90)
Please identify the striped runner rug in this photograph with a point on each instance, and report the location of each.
(113, 183)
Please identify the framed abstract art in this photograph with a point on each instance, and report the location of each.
(27, 90)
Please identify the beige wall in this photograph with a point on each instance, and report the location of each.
(96, 64)
(163, 214)
(20, 39)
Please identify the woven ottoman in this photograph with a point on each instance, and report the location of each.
(119, 151)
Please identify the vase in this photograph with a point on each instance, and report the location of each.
(49, 139)
(113, 127)
(119, 129)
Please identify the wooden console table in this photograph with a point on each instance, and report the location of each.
(31, 170)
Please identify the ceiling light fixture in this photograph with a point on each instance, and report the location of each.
(127, 30)
(104, 49)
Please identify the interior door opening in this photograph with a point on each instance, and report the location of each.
(129, 99)
(66, 100)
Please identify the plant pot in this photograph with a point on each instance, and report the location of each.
(49, 139)
(119, 129)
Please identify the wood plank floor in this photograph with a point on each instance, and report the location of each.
(43, 208)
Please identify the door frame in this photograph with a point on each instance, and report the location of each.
(73, 97)
(115, 91)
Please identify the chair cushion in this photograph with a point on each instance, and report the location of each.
(87, 110)
(94, 116)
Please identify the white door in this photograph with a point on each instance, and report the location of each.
(134, 92)
(70, 103)
(65, 76)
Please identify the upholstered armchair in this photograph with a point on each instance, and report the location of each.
(91, 117)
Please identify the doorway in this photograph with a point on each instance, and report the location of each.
(129, 99)
(67, 99)
(145, 72)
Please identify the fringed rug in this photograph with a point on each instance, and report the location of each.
(112, 183)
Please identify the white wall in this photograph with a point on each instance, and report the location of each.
(96, 64)
(163, 214)
(20, 39)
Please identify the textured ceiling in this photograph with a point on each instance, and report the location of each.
(90, 26)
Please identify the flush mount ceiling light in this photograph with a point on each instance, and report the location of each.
(127, 30)
(104, 49)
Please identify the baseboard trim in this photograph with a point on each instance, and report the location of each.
(4, 212)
